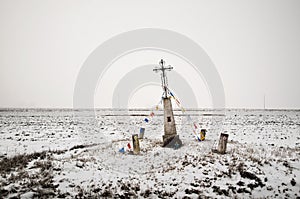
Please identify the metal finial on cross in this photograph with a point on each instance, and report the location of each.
(163, 75)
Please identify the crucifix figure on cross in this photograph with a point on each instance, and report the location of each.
(164, 79)
(170, 137)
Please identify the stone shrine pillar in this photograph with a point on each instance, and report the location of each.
(170, 137)
(169, 122)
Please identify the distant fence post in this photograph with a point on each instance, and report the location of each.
(223, 143)
(142, 131)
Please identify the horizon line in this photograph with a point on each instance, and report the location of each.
(143, 108)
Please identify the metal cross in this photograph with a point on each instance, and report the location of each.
(163, 75)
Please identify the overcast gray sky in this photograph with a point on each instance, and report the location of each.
(255, 45)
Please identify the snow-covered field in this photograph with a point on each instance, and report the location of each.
(64, 153)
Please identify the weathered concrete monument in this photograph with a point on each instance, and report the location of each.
(170, 137)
